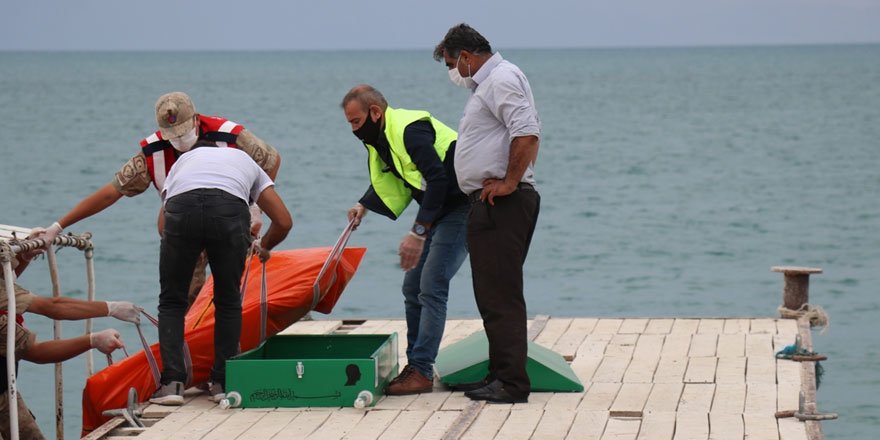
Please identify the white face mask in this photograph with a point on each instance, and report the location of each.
(185, 143)
(459, 80)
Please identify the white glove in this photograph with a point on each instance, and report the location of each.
(49, 233)
(106, 340)
(256, 220)
(124, 311)
(356, 212)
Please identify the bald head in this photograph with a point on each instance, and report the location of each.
(365, 95)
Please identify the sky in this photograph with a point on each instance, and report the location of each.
(398, 24)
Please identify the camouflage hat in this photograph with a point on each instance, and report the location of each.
(174, 114)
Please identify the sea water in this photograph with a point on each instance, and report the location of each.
(671, 181)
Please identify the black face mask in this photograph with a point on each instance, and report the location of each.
(370, 130)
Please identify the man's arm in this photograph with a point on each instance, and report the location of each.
(266, 156)
(91, 205)
(523, 151)
(273, 206)
(68, 308)
(106, 341)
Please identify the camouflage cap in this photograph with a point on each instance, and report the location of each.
(174, 114)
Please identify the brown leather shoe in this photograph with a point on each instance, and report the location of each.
(409, 381)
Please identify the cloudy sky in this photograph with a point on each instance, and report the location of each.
(396, 24)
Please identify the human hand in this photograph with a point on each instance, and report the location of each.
(410, 250)
(256, 220)
(496, 187)
(357, 212)
(263, 253)
(124, 311)
(106, 340)
(47, 234)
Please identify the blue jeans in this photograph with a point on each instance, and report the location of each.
(219, 223)
(426, 288)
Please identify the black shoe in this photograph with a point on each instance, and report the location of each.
(495, 393)
(468, 386)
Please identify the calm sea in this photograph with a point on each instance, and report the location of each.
(672, 180)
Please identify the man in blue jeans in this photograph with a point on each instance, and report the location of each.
(411, 157)
(206, 199)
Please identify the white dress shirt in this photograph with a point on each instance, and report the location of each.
(228, 169)
(500, 108)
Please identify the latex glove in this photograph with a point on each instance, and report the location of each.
(124, 311)
(256, 220)
(106, 340)
(356, 212)
(47, 234)
(264, 253)
(410, 251)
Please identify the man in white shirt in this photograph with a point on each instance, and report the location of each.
(498, 138)
(206, 197)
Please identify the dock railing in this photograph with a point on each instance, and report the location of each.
(10, 246)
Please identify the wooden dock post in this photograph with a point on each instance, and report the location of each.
(796, 291)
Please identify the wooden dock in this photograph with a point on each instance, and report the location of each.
(644, 379)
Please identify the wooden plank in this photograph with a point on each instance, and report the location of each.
(788, 386)
(664, 398)
(696, 398)
(762, 325)
(269, 425)
(555, 424)
(659, 326)
(552, 331)
(792, 429)
(235, 425)
(657, 426)
(520, 424)
(370, 327)
(731, 345)
(406, 425)
(725, 426)
(395, 402)
(780, 342)
(676, 345)
(465, 418)
(686, 326)
(611, 369)
(316, 327)
(201, 425)
(340, 422)
(730, 398)
(761, 399)
(168, 426)
(731, 370)
(787, 327)
(633, 325)
(691, 426)
(606, 325)
(621, 429)
(456, 402)
(587, 425)
(599, 396)
(670, 370)
(461, 331)
(372, 425)
(648, 346)
(700, 370)
(641, 369)
(760, 426)
(703, 345)
(630, 400)
(436, 425)
(536, 401)
(563, 401)
(105, 429)
(736, 326)
(429, 401)
(487, 423)
(713, 326)
(568, 344)
(621, 345)
(761, 370)
(759, 345)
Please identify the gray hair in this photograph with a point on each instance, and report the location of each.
(461, 37)
(366, 95)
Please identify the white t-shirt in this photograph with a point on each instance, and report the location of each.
(228, 169)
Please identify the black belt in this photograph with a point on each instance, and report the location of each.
(522, 186)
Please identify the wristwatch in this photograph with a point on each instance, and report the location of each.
(419, 229)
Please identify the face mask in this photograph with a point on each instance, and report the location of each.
(370, 130)
(184, 143)
(459, 80)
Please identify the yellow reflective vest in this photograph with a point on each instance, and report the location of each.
(392, 191)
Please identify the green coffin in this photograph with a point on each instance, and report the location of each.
(468, 361)
(313, 370)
